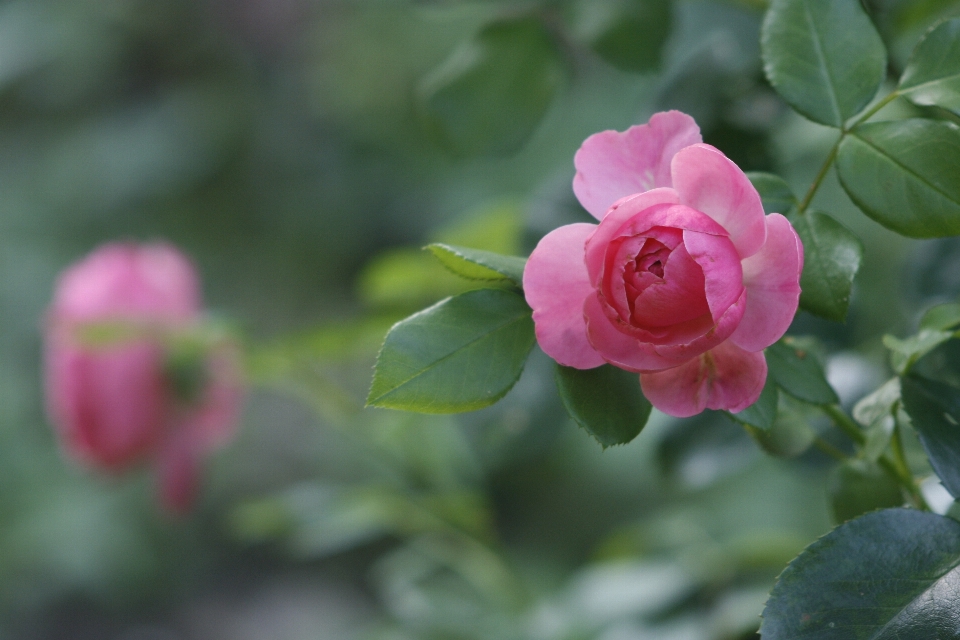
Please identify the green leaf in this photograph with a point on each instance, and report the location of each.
(823, 56)
(606, 402)
(832, 255)
(762, 413)
(476, 264)
(905, 174)
(905, 353)
(775, 193)
(797, 371)
(888, 575)
(932, 76)
(941, 317)
(790, 435)
(491, 94)
(876, 412)
(860, 486)
(629, 34)
(934, 411)
(461, 354)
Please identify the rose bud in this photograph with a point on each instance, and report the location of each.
(684, 280)
(133, 371)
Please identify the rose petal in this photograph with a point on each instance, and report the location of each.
(611, 165)
(725, 326)
(710, 182)
(722, 274)
(178, 473)
(618, 348)
(726, 377)
(679, 298)
(772, 279)
(555, 285)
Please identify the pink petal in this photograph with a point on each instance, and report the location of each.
(772, 280)
(215, 421)
(722, 274)
(618, 348)
(710, 182)
(555, 285)
(722, 330)
(726, 377)
(679, 298)
(178, 473)
(611, 165)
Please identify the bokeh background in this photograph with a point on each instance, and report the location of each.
(301, 151)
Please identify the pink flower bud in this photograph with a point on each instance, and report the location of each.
(132, 373)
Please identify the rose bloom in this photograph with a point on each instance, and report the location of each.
(684, 281)
(129, 374)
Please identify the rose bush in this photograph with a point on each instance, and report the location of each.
(131, 371)
(684, 280)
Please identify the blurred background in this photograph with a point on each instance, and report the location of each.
(302, 151)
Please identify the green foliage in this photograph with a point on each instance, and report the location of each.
(905, 353)
(796, 370)
(934, 410)
(461, 354)
(823, 56)
(606, 402)
(932, 76)
(790, 435)
(941, 317)
(903, 174)
(889, 574)
(775, 193)
(629, 34)
(860, 486)
(831, 259)
(490, 95)
(476, 264)
(762, 413)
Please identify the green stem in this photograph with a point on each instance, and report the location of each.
(845, 423)
(830, 450)
(820, 175)
(873, 110)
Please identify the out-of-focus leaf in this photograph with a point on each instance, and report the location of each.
(889, 574)
(878, 404)
(775, 193)
(606, 402)
(823, 56)
(860, 486)
(496, 227)
(932, 76)
(941, 317)
(491, 94)
(762, 413)
(934, 411)
(905, 174)
(461, 354)
(629, 34)
(832, 255)
(476, 264)
(791, 433)
(797, 371)
(905, 353)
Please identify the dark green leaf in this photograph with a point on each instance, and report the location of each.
(823, 56)
(476, 264)
(832, 255)
(905, 353)
(606, 402)
(790, 435)
(774, 192)
(461, 354)
(798, 372)
(888, 575)
(763, 412)
(932, 76)
(941, 317)
(629, 34)
(860, 486)
(491, 94)
(934, 410)
(905, 174)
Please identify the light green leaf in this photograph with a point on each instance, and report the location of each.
(823, 56)
(934, 411)
(932, 76)
(905, 353)
(879, 403)
(797, 371)
(941, 317)
(629, 34)
(860, 486)
(491, 94)
(888, 575)
(905, 174)
(775, 193)
(476, 264)
(606, 402)
(790, 435)
(832, 255)
(762, 413)
(461, 354)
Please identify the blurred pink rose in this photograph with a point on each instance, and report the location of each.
(684, 281)
(130, 373)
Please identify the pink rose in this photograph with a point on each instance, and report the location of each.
(130, 375)
(684, 281)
